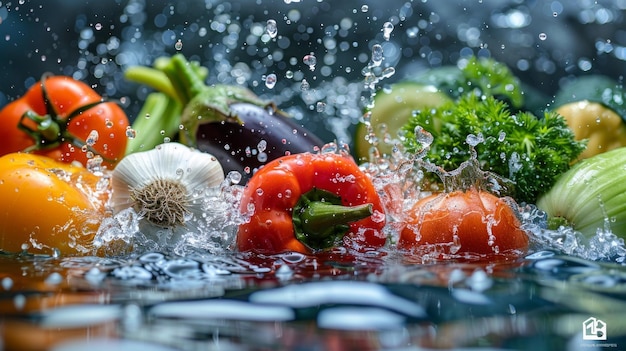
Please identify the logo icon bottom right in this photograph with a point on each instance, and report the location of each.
(594, 329)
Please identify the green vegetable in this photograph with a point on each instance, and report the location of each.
(591, 192)
(532, 152)
(392, 108)
(160, 116)
(480, 76)
(157, 120)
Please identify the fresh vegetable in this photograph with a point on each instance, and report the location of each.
(463, 222)
(229, 122)
(532, 152)
(392, 108)
(600, 89)
(48, 206)
(476, 76)
(166, 186)
(599, 126)
(590, 196)
(64, 119)
(390, 111)
(594, 108)
(310, 202)
(156, 122)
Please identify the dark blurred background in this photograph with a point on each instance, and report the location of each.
(542, 41)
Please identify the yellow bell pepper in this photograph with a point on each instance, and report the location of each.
(601, 126)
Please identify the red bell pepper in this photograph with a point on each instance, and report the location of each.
(309, 202)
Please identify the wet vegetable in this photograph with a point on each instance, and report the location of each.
(477, 76)
(594, 108)
(390, 111)
(530, 151)
(310, 202)
(230, 122)
(591, 196)
(392, 108)
(166, 186)
(599, 126)
(64, 119)
(463, 222)
(48, 206)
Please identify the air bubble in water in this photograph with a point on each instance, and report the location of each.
(543, 36)
(377, 55)
(270, 81)
(310, 60)
(387, 29)
(271, 28)
(365, 8)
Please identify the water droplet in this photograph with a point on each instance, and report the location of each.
(387, 29)
(320, 106)
(310, 60)
(271, 28)
(262, 157)
(179, 45)
(92, 138)
(388, 72)
(7, 283)
(261, 146)
(423, 137)
(377, 55)
(131, 133)
(474, 140)
(501, 136)
(304, 85)
(54, 279)
(270, 81)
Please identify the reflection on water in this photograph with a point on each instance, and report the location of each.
(335, 301)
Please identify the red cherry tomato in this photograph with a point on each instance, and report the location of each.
(464, 222)
(64, 119)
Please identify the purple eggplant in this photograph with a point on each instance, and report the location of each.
(230, 122)
(253, 136)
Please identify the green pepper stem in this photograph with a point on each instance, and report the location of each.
(320, 221)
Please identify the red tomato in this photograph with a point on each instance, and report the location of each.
(464, 222)
(59, 118)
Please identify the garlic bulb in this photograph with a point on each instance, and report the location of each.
(165, 187)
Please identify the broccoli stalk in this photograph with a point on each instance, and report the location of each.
(532, 152)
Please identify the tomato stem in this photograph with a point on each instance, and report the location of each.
(320, 220)
(50, 130)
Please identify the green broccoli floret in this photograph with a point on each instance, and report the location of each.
(532, 152)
